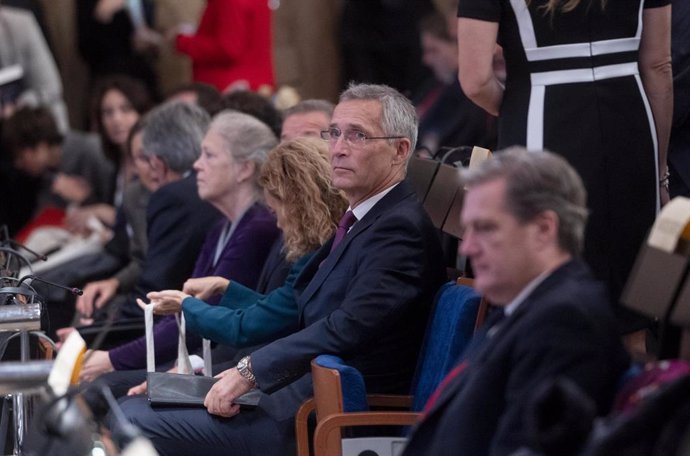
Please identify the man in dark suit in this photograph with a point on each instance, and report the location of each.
(524, 215)
(365, 295)
(176, 219)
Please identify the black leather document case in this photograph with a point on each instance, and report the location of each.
(188, 390)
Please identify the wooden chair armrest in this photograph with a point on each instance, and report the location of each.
(389, 400)
(466, 281)
(336, 421)
(302, 426)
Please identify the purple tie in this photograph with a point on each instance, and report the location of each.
(343, 225)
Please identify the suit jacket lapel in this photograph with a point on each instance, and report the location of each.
(323, 263)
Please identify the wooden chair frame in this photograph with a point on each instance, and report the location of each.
(328, 406)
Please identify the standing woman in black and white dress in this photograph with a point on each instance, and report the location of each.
(591, 81)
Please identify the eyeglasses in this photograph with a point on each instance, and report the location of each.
(352, 137)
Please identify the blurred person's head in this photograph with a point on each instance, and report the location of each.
(524, 214)
(142, 165)
(33, 140)
(171, 140)
(118, 102)
(439, 48)
(232, 153)
(306, 118)
(372, 134)
(297, 185)
(204, 95)
(255, 105)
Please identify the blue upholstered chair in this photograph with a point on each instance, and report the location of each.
(340, 398)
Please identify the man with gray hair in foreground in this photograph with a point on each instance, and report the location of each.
(524, 216)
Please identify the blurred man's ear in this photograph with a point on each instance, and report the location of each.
(547, 224)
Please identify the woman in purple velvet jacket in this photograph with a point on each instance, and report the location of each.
(233, 151)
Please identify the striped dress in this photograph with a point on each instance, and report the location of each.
(573, 87)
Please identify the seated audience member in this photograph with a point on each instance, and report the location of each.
(297, 185)
(31, 148)
(118, 267)
(365, 295)
(255, 105)
(83, 159)
(306, 118)
(524, 216)
(447, 118)
(118, 102)
(134, 203)
(177, 220)
(232, 152)
(204, 95)
(72, 169)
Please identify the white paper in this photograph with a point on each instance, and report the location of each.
(150, 349)
(670, 225)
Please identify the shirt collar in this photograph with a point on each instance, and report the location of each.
(365, 206)
(525, 292)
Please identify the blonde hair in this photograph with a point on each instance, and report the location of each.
(564, 6)
(297, 174)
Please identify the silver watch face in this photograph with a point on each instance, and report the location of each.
(242, 364)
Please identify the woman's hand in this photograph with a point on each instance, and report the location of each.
(166, 302)
(96, 295)
(97, 363)
(205, 287)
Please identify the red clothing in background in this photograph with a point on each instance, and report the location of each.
(232, 43)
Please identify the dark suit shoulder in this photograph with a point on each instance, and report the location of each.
(182, 197)
(571, 288)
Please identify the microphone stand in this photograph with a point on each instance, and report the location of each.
(19, 401)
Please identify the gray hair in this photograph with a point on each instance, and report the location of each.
(310, 105)
(538, 181)
(173, 132)
(398, 117)
(245, 137)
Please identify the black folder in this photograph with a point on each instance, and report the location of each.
(188, 390)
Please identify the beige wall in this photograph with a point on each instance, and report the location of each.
(305, 47)
(61, 20)
(173, 68)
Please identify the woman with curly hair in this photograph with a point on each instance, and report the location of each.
(297, 185)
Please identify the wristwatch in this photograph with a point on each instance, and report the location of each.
(244, 367)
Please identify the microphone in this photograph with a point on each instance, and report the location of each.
(75, 291)
(17, 245)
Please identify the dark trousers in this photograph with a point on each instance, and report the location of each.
(184, 431)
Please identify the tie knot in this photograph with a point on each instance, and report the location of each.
(347, 220)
